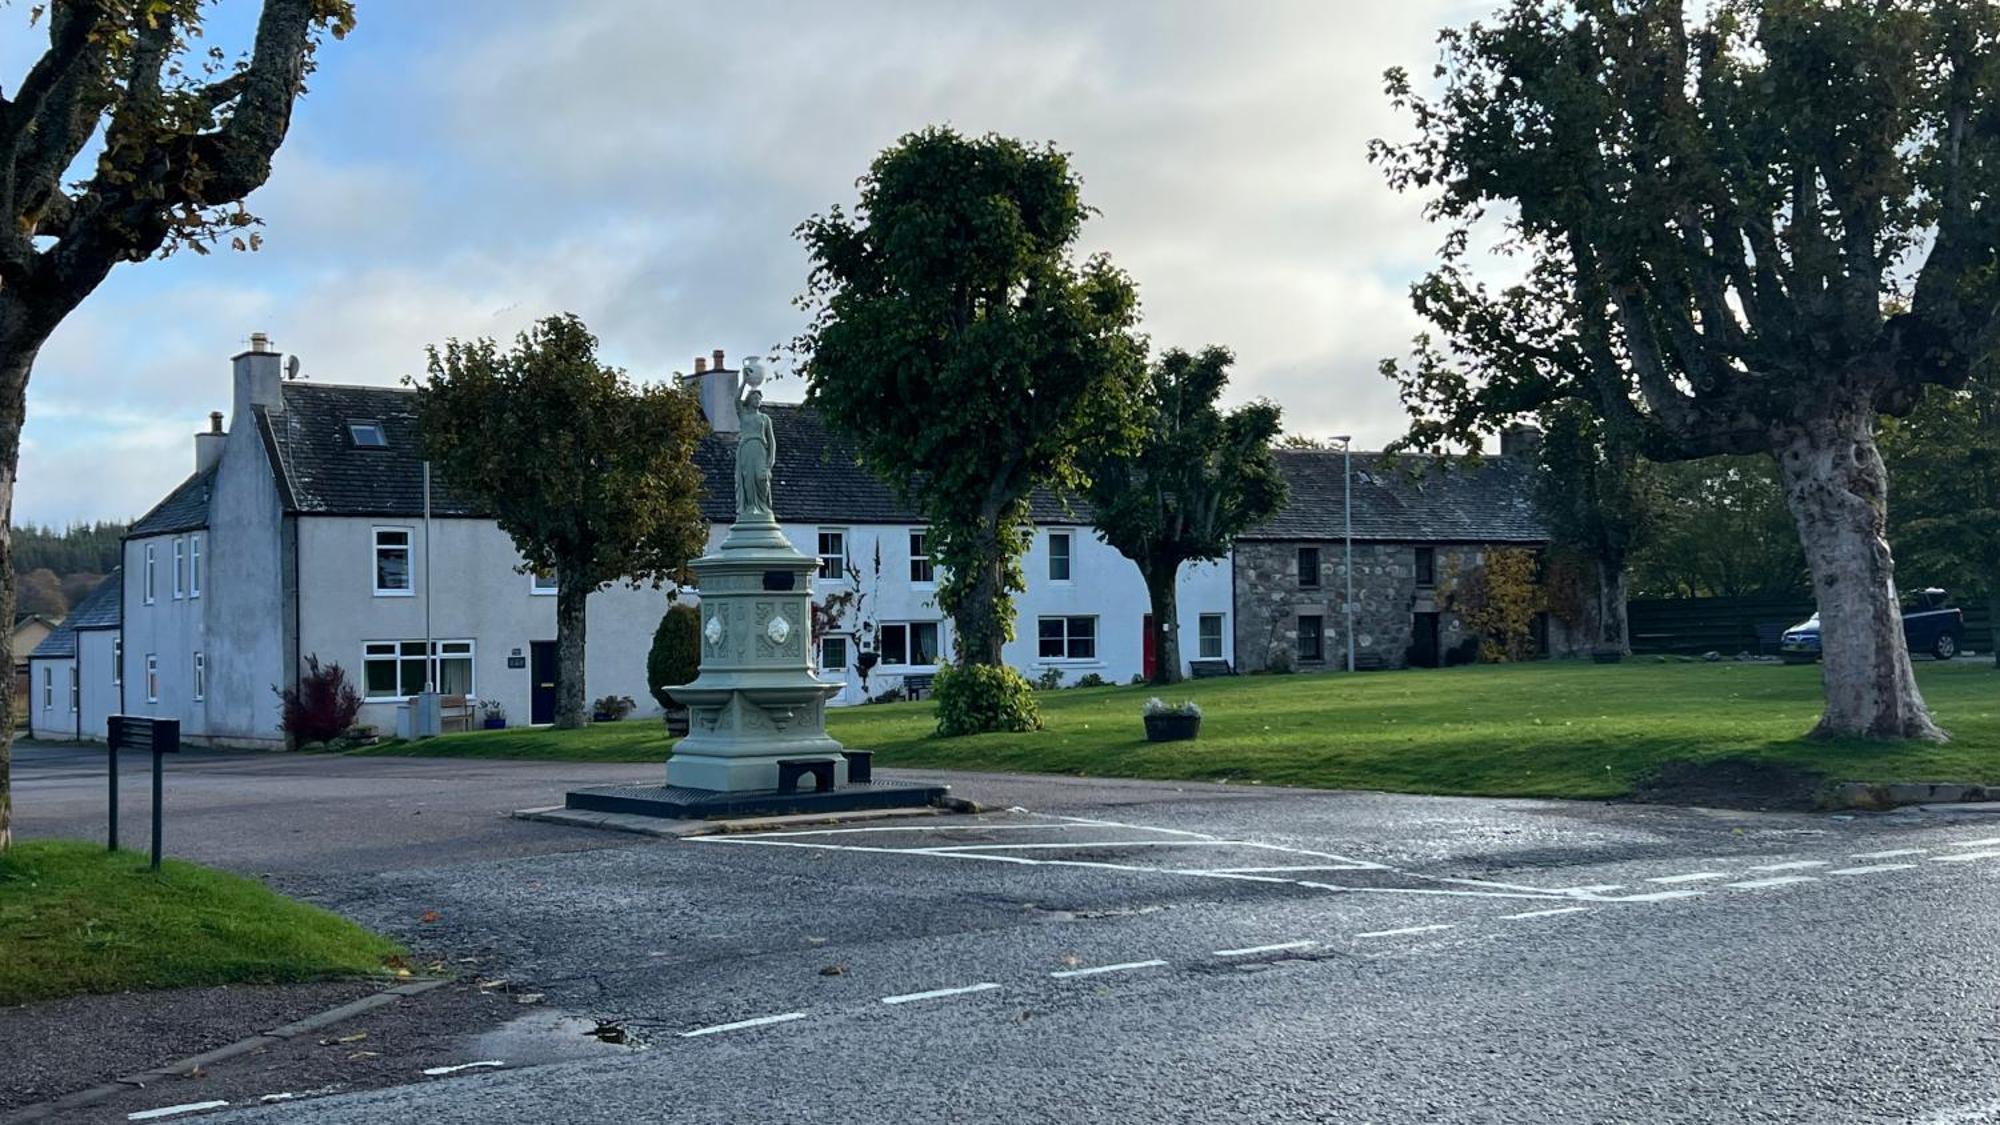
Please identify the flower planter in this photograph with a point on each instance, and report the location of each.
(494, 724)
(1172, 728)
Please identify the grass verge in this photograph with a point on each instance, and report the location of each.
(77, 919)
(1548, 729)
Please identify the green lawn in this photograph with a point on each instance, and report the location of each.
(77, 919)
(1552, 729)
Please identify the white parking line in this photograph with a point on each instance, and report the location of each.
(1873, 868)
(1270, 870)
(1074, 845)
(173, 1110)
(1890, 854)
(1547, 913)
(1985, 843)
(760, 1021)
(1797, 865)
(1590, 889)
(1964, 857)
(1095, 970)
(1692, 877)
(1755, 884)
(1407, 930)
(1278, 948)
(936, 993)
(1654, 896)
(480, 1065)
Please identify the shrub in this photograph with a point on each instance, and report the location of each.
(1092, 679)
(614, 707)
(975, 698)
(1464, 652)
(675, 658)
(1049, 680)
(322, 707)
(1499, 601)
(1280, 663)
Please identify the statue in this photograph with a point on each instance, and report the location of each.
(756, 447)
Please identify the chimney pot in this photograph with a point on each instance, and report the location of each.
(718, 359)
(215, 421)
(700, 364)
(260, 342)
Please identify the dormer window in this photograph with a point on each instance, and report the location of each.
(367, 435)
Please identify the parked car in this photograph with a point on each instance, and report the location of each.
(1929, 625)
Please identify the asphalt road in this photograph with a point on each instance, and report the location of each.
(1137, 952)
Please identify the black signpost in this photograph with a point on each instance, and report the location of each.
(161, 736)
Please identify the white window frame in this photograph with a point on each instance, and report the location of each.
(194, 566)
(152, 677)
(117, 660)
(356, 425)
(846, 643)
(149, 573)
(921, 537)
(1068, 556)
(48, 687)
(1201, 636)
(409, 549)
(535, 586)
(908, 628)
(75, 687)
(1069, 639)
(442, 649)
(180, 568)
(200, 676)
(840, 570)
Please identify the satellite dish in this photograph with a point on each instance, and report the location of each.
(291, 367)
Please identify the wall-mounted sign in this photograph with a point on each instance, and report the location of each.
(517, 662)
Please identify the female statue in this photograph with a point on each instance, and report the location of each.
(756, 447)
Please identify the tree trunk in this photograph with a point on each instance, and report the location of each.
(18, 348)
(1162, 594)
(1837, 490)
(1614, 632)
(570, 601)
(981, 617)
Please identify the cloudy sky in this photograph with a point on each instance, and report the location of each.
(460, 168)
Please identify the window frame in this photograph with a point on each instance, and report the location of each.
(1308, 576)
(180, 567)
(430, 668)
(149, 574)
(1068, 639)
(846, 644)
(194, 566)
(75, 688)
(356, 425)
(1425, 568)
(535, 587)
(921, 538)
(908, 630)
(1318, 635)
(408, 547)
(200, 676)
(819, 541)
(152, 677)
(48, 687)
(1201, 635)
(117, 660)
(1067, 555)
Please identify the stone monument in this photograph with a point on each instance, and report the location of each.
(756, 701)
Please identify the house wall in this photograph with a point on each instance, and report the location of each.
(50, 716)
(96, 650)
(170, 629)
(244, 618)
(475, 594)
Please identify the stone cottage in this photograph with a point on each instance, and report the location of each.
(1421, 524)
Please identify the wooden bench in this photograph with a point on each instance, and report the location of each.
(917, 686)
(860, 766)
(1206, 669)
(791, 769)
(455, 709)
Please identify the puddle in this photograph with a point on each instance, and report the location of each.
(551, 1036)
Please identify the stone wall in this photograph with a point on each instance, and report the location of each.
(1270, 600)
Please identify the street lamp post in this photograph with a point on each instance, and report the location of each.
(1347, 518)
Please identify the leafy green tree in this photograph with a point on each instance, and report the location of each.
(1598, 499)
(1945, 460)
(1722, 531)
(1710, 220)
(592, 475)
(1197, 479)
(969, 357)
(675, 657)
(179, 140)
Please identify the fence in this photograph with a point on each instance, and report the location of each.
(1692, 626)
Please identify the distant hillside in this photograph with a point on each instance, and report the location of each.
(56, 568)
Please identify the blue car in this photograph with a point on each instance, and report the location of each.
(1929, 625)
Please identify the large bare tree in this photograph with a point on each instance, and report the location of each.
(129, 137)
(1754, 229)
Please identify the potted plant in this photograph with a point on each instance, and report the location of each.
(865, 663)
(1171, 722)
(493, 715)
(611, 708)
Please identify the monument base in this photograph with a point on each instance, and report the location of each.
(675, 803)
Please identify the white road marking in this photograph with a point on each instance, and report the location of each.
(1077, 845)
(1872, 869)
(760, 1021)
(1281, 946)
(1407, 930)
(1965, 1115)
(936, 993)
(1964, 857)
(1890, 854)
(1268, 870)
(1797, 865)
(1755, 884)
(436, 1070)
(1985, 843)
(1691, 877)
(1655, 896)
(1097, 969)
(173, 1110)
(1591, 889)
(1547, 913)
(914, 828)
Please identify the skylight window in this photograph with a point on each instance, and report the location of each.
(367, 435)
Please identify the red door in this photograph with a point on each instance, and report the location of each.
(1149, 656)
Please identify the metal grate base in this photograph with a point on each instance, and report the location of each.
(673, 802)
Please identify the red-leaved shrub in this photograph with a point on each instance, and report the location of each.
(323, 706)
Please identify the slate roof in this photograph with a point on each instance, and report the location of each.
(98, 610)
(1408, 498)
(184, 509)
(817, 478)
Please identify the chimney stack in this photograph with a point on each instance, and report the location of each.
(258, 379)
(700, 364)
(718, 359)
(716, 385)
(208, 445)
(1521, 440)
